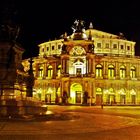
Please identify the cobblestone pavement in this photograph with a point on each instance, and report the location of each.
(76, 122)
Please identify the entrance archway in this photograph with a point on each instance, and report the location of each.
(76, 93)
(133, 96)
(122, 96)
(99, 96)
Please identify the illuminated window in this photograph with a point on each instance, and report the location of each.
(107, 45)
(99, 90)
(40, 70)
(50, 71)
(99, 70)
(110, 71)
(58, 70)
(114, 46)
(99, 45)
(111, 90)
(122, 72)
(133, 72)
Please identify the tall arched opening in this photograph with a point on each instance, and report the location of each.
(76, 93)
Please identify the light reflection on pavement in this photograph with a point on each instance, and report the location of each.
(94, 122)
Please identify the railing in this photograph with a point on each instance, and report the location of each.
(79, 75)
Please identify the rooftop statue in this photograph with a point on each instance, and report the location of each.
(78, 26)
(79, 30)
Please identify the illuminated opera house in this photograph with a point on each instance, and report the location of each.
(88, 67)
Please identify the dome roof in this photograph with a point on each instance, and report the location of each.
(79, 36)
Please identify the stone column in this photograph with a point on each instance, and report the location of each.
(87, 65)
(117, 70)
(44, 69)
(105, 70)
(128, 70)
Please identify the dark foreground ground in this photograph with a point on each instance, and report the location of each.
(75, 123)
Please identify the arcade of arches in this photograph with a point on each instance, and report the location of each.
(88, 67)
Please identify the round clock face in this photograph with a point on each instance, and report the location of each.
(77, 50)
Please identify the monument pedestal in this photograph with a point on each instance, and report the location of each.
(12, 107)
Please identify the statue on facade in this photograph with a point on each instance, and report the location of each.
(78, 26)
(79, 30)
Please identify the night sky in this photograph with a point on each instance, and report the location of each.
(42, 20)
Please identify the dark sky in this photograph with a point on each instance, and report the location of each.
(41, 20)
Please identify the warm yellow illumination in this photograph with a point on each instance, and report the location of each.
(106, 91)
(77, 50)
(40, 70)
(133, 72)
(133, 92)
(72, 95)
(122, 71)
(104, 70)
(110, 71)
(99, 71)
(121, 91)
(76, 93)
(59, 70)
(50, 71)
(50, 90)
(48, 112)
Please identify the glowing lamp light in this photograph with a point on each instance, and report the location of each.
(72, 94)
(34, 91)
(133, 92)
(48, 112)
(39, 90)
(106, 91)
(50, 90)
(122, 92)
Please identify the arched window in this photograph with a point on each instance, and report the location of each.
(133, 96)
(110, 71)
(99, 91)
(58, 70)
(99, 70)
(40, 70)
(111, 90)
(50, 71)
(133, 72)
(122, 72)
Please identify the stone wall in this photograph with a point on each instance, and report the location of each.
(12, 107)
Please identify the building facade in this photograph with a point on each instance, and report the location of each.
(88, 67)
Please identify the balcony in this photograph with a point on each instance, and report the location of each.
(75, 75)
